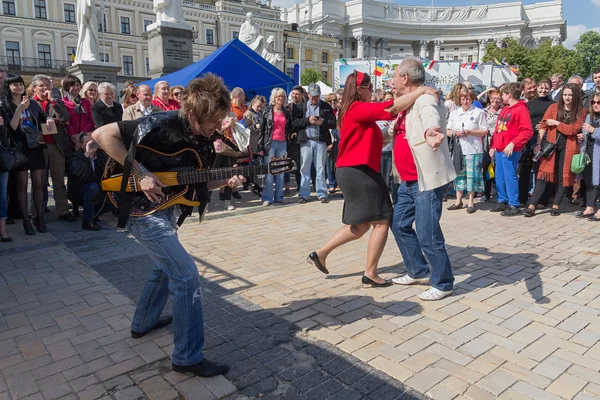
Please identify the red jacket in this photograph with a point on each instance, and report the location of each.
(361, 139)
(514, 125)
(82, 122)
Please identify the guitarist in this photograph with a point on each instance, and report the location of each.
(204, 104)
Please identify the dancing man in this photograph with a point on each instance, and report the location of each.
(204, 105)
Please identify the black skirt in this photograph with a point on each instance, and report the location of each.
(366, 196)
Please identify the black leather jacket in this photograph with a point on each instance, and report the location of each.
(266, 130)
(253, 121)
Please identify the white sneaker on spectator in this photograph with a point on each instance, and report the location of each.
(266, 204)
(483, 199)
(407, 280)
(229, 206)
(433, 294)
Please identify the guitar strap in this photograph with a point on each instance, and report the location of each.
(225, 140)
(126, 199)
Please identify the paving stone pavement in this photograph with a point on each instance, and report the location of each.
(66, 305)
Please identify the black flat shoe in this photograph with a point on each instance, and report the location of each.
(236, 195)
(528, 212)
(581, 214)
(7, 239)
(313, 258)
(28, 228)
(10, 221)
(90, 226)
(594, 219)
(455, 207)
(162, 321)
(370, 283)
(204, 368)
(555, 212)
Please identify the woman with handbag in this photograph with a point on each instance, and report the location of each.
(591, 173)
(3, 185)
(468, 124)
(560, 126)
(24, 120)
(275, 129)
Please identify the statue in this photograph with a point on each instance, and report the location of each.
(169, 11)
(87, 27)
(249, 34)
(269, 54)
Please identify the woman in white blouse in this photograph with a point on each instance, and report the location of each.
(470, 125)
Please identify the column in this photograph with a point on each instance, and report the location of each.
(423, 49)
(416, 48)
(537, 41)
(500, 42)
(140, 68)
(437, 46)
(464, 57)
(347, 47)
(385, 42)
(482, 44)
(556, 40)
(59, 50)
(28, 45)
(360, 46)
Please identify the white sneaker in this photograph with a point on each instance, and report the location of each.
(407, 280)
(229, 206)
(266, 204)
(433, 294)
(483, 199)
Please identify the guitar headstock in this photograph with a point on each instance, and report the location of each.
(279, 165)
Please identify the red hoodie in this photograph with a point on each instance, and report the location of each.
(514, 125)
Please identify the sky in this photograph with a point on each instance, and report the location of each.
(581, 15)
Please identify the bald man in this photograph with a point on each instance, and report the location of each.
(144, 105)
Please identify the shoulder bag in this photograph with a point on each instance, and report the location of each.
(33, 138)
(11, 157)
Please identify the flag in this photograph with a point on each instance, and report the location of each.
(425, 63)
(73, 55)
(515, 70)
(464, 65)
(378, 69)
(343, 61)
(474, 65)
(431, 64)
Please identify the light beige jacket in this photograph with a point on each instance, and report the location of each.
(435, 168)
(133, 112)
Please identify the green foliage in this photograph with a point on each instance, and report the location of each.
(588, 48)
(310, 76)
(538, 63)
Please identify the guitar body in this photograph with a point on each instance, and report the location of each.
(170, 164)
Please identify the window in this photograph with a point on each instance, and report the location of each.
(146, 23)
(69, 13)
(324, 73)
(289, 53)
(401, 49)
(442, 48)
(147, 66)
(40, 9)
(441, 58)
(308, 55)
(71, 52)
(456, 48)
(470, 58)
(324, 58)
(127, 65)
(8, 7)
(353, 46)
(103, 27)
(455, 58)
(235, 35)
(13, 53)
(125, 26)
(104, 57)
(45, 55)
(289, 72)
(210, 36)
(471, 48)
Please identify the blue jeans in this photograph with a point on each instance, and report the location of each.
(174, 271)
(3, 190)
(278, 149)
(386, 166)
(310, 151)
(507, 182)
(424, 249)
(87, 192)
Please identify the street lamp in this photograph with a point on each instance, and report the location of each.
(310, 33)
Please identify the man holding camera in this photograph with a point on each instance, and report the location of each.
(313, 126)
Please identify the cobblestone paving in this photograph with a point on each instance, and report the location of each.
(64, 332)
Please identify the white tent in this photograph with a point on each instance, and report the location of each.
(325, 90)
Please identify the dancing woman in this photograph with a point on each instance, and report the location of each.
(366, 198)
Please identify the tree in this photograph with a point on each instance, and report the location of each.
(588, 48)
(537, 63)
(310, 76)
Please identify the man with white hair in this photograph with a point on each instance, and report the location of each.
(143, 107)
(422, 159)
(106, 110)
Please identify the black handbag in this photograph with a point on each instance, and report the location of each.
(457, 154)
(11, 157)
(33, 138)
(547, 148)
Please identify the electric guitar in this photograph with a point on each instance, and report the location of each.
(179, 172)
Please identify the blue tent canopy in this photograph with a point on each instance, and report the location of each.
(239, 66)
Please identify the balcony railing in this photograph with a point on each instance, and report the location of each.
(26, 64)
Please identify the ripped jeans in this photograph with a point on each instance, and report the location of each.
(175, 272)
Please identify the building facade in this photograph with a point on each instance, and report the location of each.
(40, 36)
(318, 52)
(369, 28)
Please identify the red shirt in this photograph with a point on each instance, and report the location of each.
(361, 139)
(173, 104)
(44, 104)
(403, 156)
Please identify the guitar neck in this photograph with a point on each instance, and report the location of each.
(218, 174)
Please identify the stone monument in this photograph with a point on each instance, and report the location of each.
(86, 66)
(170, 39)
(249, 34)
(269, 54)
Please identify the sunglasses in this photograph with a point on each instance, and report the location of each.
(370, 87)
(176, 94)
(594, 102)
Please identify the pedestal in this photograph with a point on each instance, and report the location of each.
(95, 71)
(171, 45)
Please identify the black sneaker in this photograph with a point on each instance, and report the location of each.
(499, 207)
(528, 212)
(68, 217)
(236, 195)
(204, 368)
(511, 212)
